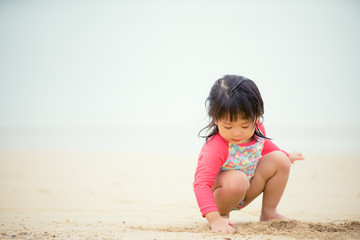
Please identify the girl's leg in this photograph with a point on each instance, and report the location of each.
(229, 190)
(270, 177)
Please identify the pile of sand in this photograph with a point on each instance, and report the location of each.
(293, 229)
(25, 228)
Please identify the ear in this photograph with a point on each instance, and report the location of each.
(216, 122)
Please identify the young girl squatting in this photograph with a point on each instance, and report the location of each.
(238, 162)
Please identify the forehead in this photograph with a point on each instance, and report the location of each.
(238, 120)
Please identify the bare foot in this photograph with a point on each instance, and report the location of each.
(266, 216)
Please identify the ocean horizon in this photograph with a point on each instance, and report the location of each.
(169, 139)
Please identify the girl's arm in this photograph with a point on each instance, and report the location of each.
(293, 156)
(212, 157)
(269, 147)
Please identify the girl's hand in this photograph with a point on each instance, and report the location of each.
(223, 225)
(294, 156)
(220, 224)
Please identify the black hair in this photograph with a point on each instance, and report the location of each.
(235, 97)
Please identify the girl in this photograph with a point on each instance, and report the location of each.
(238, 162)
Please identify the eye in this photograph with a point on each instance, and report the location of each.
(227, 127)
(245, 126)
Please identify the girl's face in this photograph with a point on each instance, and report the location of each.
(237, 132)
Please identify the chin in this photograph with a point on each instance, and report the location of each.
(240, 141)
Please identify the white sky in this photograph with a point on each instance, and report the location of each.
(152, 63)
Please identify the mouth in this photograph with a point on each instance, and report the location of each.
(236, 140)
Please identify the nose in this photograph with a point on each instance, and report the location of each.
(236, 133)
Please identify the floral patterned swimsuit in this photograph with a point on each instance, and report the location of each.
(245, 159)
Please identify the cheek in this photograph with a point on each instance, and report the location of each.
(224, 132)
(251, 132)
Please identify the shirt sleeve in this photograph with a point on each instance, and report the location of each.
(269, 146)
(211, 158)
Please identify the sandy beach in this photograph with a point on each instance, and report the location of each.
(101, 103)
(112, 195)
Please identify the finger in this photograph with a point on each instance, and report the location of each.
(231, 223)
(298, 159)
(230, 230)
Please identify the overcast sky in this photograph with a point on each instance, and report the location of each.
(152, 63)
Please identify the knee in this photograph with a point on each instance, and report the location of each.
(236, 183)
(282, 161)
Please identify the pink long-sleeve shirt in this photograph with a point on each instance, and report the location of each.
(217, 155)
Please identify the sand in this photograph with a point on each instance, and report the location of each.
(114, 195)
